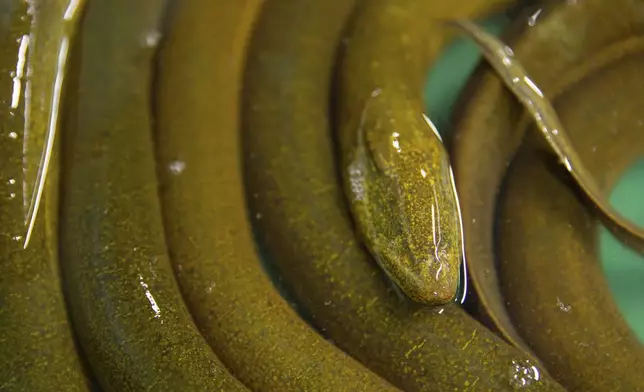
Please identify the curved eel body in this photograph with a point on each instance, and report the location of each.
(124, 300)
(252, 329)
(292, 185)
(516, 78)
(37, 348)
(536, 267)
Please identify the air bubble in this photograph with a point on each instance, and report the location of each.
(523, 374)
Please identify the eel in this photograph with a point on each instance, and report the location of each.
(236, 307)
(293, 183)
(480, 157)
(537, 104)
(37, 348)
(125, 303)
(582, 337)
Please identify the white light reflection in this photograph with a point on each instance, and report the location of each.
(460, 223)
(152, 38)
(72, 7)
(150, 297)
(432, 127)
(395, 142)
(438, 272)
(20, 71)
(532, 20)
(532, 86)
(568, 165)
(51, 134)
(536, 373)
(177, 167)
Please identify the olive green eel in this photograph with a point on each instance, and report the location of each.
(125, 303)
(293, 185)
(564, 311)
(581, 337)
(37, 350)
(549, 125)
(253, 330)
(396, 170)
(488, 105)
